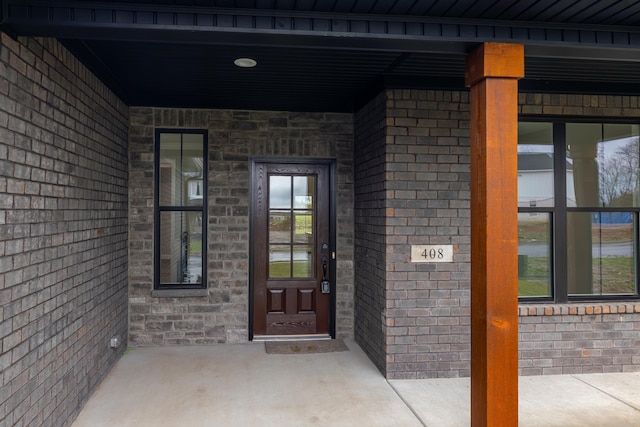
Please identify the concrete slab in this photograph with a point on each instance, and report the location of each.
(545, 401)
(564, 400)
(624, 387)
(441, 402)
(241, 385)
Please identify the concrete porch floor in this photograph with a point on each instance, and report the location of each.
(241, 385)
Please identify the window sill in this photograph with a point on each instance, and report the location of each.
(179, 293)
(577, 309)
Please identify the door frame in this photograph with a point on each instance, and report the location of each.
(332, 230)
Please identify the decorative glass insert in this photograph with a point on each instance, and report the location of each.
(291, 226)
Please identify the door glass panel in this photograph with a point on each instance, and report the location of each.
(291, 226)
(279, 226)
(303, 232)
(279, 192)
(303, 261)
(279, 261)
(303, 192)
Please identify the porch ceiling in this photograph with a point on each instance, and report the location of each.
(330, 55)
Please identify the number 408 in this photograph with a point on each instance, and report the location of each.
(433, 253)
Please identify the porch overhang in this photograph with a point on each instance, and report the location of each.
(327, 59)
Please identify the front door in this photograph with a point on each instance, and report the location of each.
(291, 252)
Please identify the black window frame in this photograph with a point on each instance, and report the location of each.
(558, 214)
(159, 209)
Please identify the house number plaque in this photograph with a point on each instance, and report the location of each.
(431, 253)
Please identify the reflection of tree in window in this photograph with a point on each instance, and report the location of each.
(619, 174)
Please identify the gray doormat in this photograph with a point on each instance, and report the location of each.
(305, 347)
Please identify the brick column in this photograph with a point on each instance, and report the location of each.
(492, 72)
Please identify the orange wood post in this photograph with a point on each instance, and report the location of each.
(492, 73)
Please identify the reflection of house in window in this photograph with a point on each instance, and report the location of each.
(195, 189)
(535, 180)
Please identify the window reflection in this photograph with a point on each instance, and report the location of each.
(535, 165)
(604, 165)
(181, 247)
(603, 261)
(181, 169)
(534, 255)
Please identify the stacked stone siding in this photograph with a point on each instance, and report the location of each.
(63, 232)
(222, 315)
(426, 201)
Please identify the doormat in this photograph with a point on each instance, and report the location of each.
(305, 347)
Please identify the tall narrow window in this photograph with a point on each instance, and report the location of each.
(602, 201)
(535, 208)
(181, 201)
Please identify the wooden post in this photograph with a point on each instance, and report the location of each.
(492, 73)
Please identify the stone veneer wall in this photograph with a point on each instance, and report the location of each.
(234, 137)
(370, 236)
(63, 232)
(425, 161)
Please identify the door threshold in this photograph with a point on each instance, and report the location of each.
(309, 337)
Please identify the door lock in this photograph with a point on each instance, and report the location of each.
(325, 285)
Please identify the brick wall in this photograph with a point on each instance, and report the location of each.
(579, 338)
(234, 137)
(428, 204)
(63, 232)
(370, 236)
(425, 158)
(415, 149)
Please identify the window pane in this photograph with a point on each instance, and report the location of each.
(303, 192)
(279, 261)
(604, 165)
(535, 165)
(279, 226)
(534, 255)
(601, 255)
(181, 169)
(280, 192)
(302, 261)
(303, 232)
(181, 247)
(192, 169)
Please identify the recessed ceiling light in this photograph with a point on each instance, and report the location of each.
(245, 62)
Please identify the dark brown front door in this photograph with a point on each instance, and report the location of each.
(291, 249)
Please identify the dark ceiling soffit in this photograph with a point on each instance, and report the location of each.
(91, 20)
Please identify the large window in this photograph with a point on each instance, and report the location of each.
(181, 200)
(578, 206)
